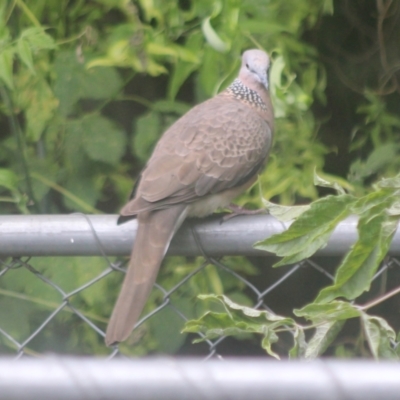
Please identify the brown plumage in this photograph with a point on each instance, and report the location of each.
(202, 162)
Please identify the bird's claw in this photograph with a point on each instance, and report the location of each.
(238, 210)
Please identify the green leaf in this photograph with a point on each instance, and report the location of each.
(6, 67)
(161, 49)
(379, 158)
(299, 344)
(168, 324)
(25, 54)
(38, 38)
(379, 335)
(354, 275)
(182, 70)
(209, 80)
(324, 335)
(251, 312)
(213, 325)
(275, 78)
(146, 133)
(213, 38)
(324, 312)
(284, 213)
(270, 337)
(380, 199)
(180, 73)
(310, 231)
(75, 82)
(102, 139)
(329, 318)
(390, 182)
(319, 181)
(237, 320)
(35, 97)
(394, 209)
(8, 179)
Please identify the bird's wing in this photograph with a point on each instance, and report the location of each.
(218, 145)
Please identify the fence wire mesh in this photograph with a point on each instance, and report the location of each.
(30, 326)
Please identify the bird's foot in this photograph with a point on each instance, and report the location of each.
(238, 210)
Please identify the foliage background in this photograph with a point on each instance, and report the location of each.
(87, 87)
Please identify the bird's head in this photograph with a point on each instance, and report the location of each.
(254, 69)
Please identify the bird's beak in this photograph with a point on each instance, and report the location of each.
(264, 80)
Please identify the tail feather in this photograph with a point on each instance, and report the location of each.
(154, 234)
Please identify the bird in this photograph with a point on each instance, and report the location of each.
(201, 163)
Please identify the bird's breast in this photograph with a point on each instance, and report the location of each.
(206, 205)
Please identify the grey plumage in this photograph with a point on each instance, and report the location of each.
(202, 162)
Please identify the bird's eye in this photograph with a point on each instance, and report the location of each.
(247, 66)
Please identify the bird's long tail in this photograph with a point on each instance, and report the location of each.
(154, 234)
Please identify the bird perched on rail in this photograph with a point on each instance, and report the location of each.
(202, 162)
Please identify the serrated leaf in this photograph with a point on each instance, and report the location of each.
(354, 274)
(213, 325)
(284, 213)
(371, 200)
(270, 337)
(308, 249)
(251, 312)
(237, 320)
(310, 231)
(324, 335)
(332, 311)
(299, 344)
(379, 335)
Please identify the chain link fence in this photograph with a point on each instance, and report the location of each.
(25, 239)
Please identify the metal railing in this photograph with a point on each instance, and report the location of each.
(23, 238)
(169, 379)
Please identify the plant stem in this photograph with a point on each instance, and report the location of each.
(381, 299)
(28, 13)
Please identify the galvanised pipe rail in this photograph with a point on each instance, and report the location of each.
(89, 235)
(182, 379)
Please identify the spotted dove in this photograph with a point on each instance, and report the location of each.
(202, 162)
